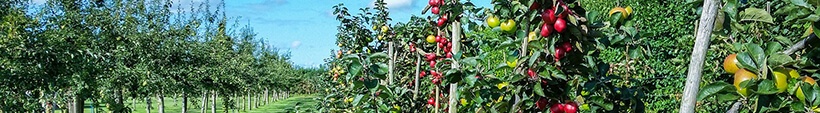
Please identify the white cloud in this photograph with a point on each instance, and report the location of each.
(398, 4)
(295, 44)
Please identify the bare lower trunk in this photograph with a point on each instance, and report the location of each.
(258, 98)
(204, 102)
(161, 103)
(184, 102)
(70, 106)
(248, 101)
(79, 103)
(267, 96)
(148, 104)
(213, 102)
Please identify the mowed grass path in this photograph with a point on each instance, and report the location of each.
(306, 104)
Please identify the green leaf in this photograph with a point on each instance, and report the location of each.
(773, 47)
(379, 70)
(757, 54)
(537, 89)
(470, 61)
(783, 39)
(453, 75)
(357, 99)
(810, 18)
(802, 3)
(457, 56)
(730, 8)
(756, 15)
(355, 68)
(556, 73)
(728, 97)
(521, 34)
(766, 87)
(598, 100)
(807, 89)
(746, 61)
(470, 79)
(779, 59)
(630, 30)
(592, 16)
(371, 84)
(534, 57)
(351, 57)
(378, 55)
(816, 94)
(712, 89)
(786, 10)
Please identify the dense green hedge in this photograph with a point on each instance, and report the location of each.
(667, 29)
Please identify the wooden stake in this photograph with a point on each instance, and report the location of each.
(707, 20)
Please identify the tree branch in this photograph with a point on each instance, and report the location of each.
(799, 45)
(735, 107)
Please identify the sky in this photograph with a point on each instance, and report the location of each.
(305, 28)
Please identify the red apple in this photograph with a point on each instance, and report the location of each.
(570, 107)
(558, 54)
(441, 22)
(567, 46)
(546, 30)
(548, 16)
(431, 101)
(557, 108)
(560, 25)
(541, 104)
(434, 2)
(434, 10)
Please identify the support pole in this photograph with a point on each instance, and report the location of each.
(690, 92)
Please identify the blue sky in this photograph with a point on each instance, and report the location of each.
(305, 28)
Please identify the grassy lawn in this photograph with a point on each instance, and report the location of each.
(306, 104)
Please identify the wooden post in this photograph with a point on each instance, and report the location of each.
(416, 84)
(456, 40)
(707, 20)
(436, 96)
(390, 53)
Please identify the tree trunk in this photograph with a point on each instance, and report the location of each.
(213, 101)
(148, 104)
(258, 98)
(70, 106)
(204, 101)
(267, 96)
(248, 100)
(161, 105)
(79, 103)
(184, 102)
(707, 20)
(119, 101)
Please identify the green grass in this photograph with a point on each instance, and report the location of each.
(306, 104)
